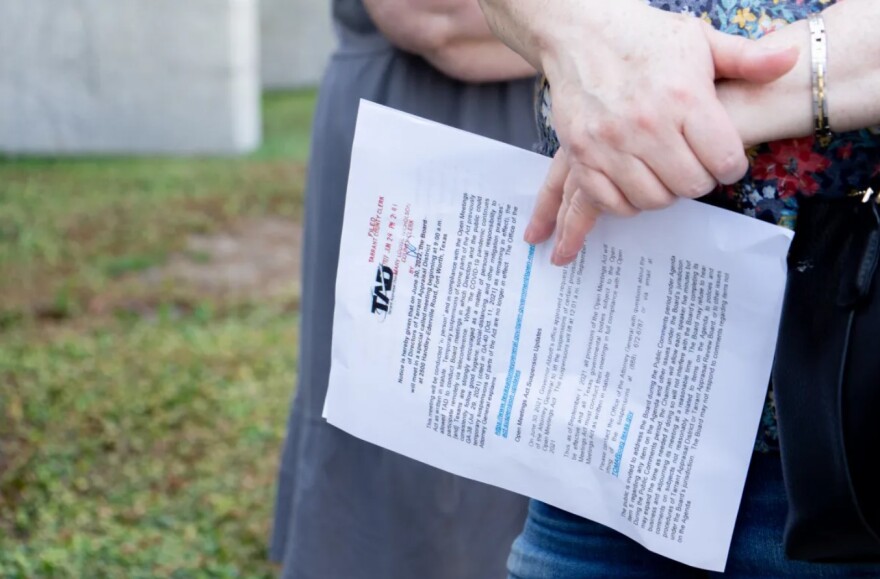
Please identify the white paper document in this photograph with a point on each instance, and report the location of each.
(626, 387)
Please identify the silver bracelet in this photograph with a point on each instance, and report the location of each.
(819, 60)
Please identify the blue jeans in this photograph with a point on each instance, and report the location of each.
(558, 545)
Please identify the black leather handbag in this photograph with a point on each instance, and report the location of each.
(826, 379)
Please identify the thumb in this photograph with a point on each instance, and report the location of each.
(736, 57)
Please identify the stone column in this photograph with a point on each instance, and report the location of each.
(129, 76)
(296, 38)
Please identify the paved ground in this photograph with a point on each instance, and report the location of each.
(254, 259)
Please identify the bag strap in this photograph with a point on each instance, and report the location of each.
(862, 283)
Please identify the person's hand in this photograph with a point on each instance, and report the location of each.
(635, 109)
(451, 35)
(558, 206)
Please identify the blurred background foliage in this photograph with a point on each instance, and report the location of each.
(142, 409)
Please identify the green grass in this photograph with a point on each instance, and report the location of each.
(144, 448)
(284, 111)
(140, 441)
(67, 226)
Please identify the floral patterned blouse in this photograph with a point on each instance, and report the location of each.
(780, 172)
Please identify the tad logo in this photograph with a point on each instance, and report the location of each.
(382, 291)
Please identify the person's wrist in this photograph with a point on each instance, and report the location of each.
(776, 110)
(556, 31)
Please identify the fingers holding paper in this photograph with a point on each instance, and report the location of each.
(564, 207)
(634, 105)
(626, 158)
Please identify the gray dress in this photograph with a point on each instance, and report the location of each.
(346, 509)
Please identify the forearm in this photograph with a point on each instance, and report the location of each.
(479, 60)
(511, 21)
(539, 29)
(783, 109)
(452, 35)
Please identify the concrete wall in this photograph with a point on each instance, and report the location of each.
(129, 76)
(296, 40)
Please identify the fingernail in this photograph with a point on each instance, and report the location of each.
(529, 235)
(561, 254)
(563, 249)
